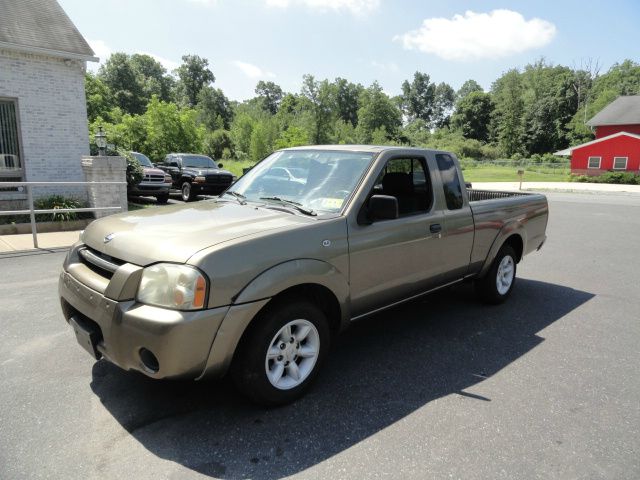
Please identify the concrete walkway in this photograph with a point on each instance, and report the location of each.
(558, 186)
(16, 243)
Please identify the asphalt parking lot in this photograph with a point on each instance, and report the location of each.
(545, 386)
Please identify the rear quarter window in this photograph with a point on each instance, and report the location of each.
(450, 181)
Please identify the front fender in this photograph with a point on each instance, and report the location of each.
(297, 272)
(508, 229)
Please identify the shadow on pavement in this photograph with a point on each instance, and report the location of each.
(379, 371)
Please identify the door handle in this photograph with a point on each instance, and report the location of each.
(435, 228)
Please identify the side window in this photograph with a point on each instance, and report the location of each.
(450, 181)
(407, 180)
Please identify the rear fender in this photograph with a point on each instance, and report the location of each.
(508, 230)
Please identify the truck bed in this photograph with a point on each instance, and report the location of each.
(478, 195)
(496, 212)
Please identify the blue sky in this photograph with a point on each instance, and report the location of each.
(361, 40)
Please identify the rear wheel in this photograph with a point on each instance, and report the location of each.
(282, 353)
(187, 192)
(497, 284)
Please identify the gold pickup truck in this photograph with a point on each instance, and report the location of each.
(259, 281)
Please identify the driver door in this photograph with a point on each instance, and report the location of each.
(394, 259)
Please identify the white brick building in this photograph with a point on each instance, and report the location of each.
(43, 116)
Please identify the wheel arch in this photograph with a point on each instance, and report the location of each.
(512, 234)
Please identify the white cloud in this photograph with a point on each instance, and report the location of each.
(357, 7)
(253, 71)
(474, 36)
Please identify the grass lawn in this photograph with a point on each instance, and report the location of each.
(236, 166)
(496, 173)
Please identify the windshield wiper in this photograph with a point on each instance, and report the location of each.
(296, 205)
(242, 200)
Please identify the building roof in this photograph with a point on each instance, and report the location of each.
(568, 151)
(41, 26)
(622, 111)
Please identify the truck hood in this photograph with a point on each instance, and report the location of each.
(207, 171)
(152, 171)
(176, 232)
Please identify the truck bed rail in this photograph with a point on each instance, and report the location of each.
(476, 195)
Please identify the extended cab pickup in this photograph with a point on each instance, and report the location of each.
(260, 280)
(195, 175)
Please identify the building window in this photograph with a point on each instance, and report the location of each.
(10, 161)
(594, 162)
(619, 163)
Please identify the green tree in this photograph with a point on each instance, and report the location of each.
(241, 131)
(154, 78)
(473, 115)
(377, 112)
(292, 137)
(215, 110)
(218, 144)
(259, 145)
(194, 75)
(171, 129)
(418, 98)
(124, 83)
(347, 100)
(99, 98)
(319, 102)
(508, 113)
(270, 95)
(443, 101)
(468, 87)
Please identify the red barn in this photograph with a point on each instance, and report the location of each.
(617, 143)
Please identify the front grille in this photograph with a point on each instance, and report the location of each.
(100, 263)
(153, 177)
(219, 179)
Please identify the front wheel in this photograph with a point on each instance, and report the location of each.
(281, 354)
(187, 192)
(496, 285)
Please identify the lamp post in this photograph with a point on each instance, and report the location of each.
(101, 141)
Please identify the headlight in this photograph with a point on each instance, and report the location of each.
(200, 179)
(168, 179)
(178, 287)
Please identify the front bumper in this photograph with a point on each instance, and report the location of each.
(208, 189)
(150, 189)
(180, 341)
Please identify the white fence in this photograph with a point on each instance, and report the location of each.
(32, 212)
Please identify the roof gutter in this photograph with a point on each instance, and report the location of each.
(48, 52)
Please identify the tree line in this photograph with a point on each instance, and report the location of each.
(531, 111)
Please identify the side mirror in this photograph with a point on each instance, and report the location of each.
(383, 207)
(220, 165)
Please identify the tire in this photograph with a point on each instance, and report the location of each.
(162, 199)
(496, 286)
(262, 368)
(187, 192)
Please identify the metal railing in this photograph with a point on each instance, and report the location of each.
(32, 211)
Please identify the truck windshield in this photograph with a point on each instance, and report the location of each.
(197, 161)
(318, 180)
(142, 159)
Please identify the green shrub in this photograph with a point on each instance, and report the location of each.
(621, 178)
(48, 203)
(135, 172)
